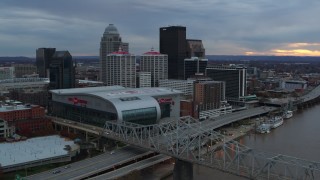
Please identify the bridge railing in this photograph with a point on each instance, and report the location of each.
(191, 141)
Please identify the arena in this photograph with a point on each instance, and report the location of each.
(95, 105)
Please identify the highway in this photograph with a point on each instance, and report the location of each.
(312, 94)
(211, 124)
(136, 166)
(90, 166)
(236, 116)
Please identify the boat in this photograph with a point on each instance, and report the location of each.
(287, 114)
(275, 122)
(263, 128)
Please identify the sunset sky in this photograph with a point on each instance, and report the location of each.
(227, 27)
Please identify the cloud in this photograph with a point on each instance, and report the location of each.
(291, 49)
(226, 27)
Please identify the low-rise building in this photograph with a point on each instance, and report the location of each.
(185, 86)
(25, 118)
(5, 129)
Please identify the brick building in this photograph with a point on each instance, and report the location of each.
(27, 119)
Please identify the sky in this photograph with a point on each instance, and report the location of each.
(226, 27)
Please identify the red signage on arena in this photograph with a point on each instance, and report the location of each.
(77, 101)
(165, 100)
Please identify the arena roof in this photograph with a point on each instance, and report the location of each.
(110, 92)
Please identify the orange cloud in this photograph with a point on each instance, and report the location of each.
(297, 45)
(292, 49)
(296, 52)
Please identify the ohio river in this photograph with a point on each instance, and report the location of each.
(299, 136)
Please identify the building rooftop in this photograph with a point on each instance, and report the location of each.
(6, 108)
(152, 52)
(119, 52)
(110, 92)
(32, 149)
(111, 29)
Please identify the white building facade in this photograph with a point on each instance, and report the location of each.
(185, 86)
(6, 73)
(121, 69)
(144, 79)
(5, 130)
(155, 63)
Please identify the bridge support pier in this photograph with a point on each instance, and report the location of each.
(183, 170)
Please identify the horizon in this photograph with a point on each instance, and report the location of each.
(206, 55)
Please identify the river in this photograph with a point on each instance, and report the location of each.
(299, 136)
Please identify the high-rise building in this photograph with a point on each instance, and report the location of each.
(155, 63)
(195, 48)
(61, 70)
(173, 43)
(121, 69)
(43, 59)
(194, 66)
(110, 42)
(209, 94)
(234, 76)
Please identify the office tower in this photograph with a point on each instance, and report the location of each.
(155, 63)
(61, 71)
(235, 78)
(195, 48)
(110, 42)
(194, 66)
(173, 43)
(121, 69)
(43, 58)
(144, 79)
(209, 94)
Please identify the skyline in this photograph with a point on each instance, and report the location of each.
(264, 27)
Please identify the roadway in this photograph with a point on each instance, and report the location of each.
(220, 121)
(90, 166)
(128, 169)
(311, 95)
(210, 124)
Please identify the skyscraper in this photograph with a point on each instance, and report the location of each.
(61, 70)
(43, 59)
(121, 69)
(110, 42)
(173, 43)
(195, 48)
(193, 66)
(155, 63)
(234, 76)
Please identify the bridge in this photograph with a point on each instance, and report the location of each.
(312, 97)
(191, 141)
